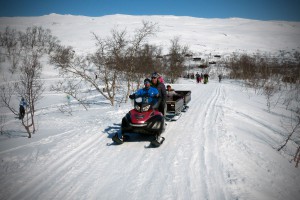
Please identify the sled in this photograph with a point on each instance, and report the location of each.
(178, 104)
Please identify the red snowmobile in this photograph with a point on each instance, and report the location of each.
(143, 119)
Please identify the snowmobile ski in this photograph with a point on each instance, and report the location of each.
(185, 108)
(116, 139)
(168, 118)
(173, 117)
(155, 143)
(176, 117)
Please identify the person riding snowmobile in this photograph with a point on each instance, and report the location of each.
(162, 92)
(151, 92)
(145, 118)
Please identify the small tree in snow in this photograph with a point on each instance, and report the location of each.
(113, 63)
(175, 59)
(24, 51)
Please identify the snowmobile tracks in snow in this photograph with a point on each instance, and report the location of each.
(155, 143)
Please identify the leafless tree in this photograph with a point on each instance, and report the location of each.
(113, 63)
(297, 157)
(109, 60)
(24, 54)
(9, 40)
(267, 76)
(38, 41)
(136, 45)
(175, 59)
(71, 87)
(147, 61)
(293, 130)
(2, 123)
(10, 47)
(291, 101)
(81, 69)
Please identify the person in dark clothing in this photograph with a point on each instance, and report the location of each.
(206, 78)
(220, 77)
(162, 92)
(23, 105)
(198, 77)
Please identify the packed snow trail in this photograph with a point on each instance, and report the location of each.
(69, 157)
(129, 170)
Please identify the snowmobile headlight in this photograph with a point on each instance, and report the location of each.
(156, 125)
(146, 108)
(137, 107)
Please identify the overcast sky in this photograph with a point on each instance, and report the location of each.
(287, 10)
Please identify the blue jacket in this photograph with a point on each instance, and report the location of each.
(151, 92)
(23, 103)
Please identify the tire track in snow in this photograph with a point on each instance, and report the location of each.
(207, 128)
(88, 170)
(264, 125)
(211, 131)
(196, 168)
(181, 181)
(55, 171)
(201, 143)
(131, 167)
(183, 178)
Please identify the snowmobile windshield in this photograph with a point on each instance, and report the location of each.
(145, 100)
(139, 100)
(143, 104)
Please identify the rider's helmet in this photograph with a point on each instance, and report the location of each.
(147, 82)
(154, 75)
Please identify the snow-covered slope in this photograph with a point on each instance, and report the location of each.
(202, 35)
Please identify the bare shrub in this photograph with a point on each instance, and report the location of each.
(114, 61)
(71, 87)
(175, 59)
(24, 51)
(267, 76)
(2, 123)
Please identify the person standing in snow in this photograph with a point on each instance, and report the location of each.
(68, 99)
(23, 105)
(162, 92)
(220, 77)
(198, 77)
(206, 78)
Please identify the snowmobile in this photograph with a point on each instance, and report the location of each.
(144, 119)
(178, 104)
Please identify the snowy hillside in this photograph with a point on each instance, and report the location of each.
(224, 147)
(220, 36)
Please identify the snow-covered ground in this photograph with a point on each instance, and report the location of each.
(224, 147)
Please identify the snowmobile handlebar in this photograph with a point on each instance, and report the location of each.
(134, 96)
